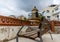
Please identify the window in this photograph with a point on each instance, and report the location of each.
(36, 14)
(7, 21)
(43, 12)
(14, 22)
(47, 11)
(3, 20)
(56, 9)
(57, 16)
(52, 10)
(52, 5)
(10, 22)
(48, 17)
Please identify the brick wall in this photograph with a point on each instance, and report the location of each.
(8, 21)
(53, 24)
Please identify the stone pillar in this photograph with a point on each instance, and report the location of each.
(52, 26)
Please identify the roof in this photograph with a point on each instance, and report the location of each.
(34, 9)
(53, 5)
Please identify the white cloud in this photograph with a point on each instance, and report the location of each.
(9, 7)
(19, 7)
(44, 3)
(56, 1)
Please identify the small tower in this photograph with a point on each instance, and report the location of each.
(34, 16)
(34, 12)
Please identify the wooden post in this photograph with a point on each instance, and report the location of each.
(52, 26)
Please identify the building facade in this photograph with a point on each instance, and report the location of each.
(10, 26)
(52, 12)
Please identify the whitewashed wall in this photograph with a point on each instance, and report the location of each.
(57, 12)
(8, 32)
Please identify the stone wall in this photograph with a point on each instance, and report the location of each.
(8, 32)
(57, 29)
(8, 21)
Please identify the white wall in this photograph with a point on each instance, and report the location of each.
(47, 38)
(8, 32)
(51, 13)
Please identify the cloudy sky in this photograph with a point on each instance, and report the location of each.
(23, 7)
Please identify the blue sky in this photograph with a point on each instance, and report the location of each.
(23, 7)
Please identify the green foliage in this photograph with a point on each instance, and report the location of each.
(25, 19)
(40, 17)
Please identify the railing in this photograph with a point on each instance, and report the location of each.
(43, 30)
(27, 35)
(40, 30)
(18, 34)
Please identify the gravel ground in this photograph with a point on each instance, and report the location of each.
(21, 39)
(47, 38)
